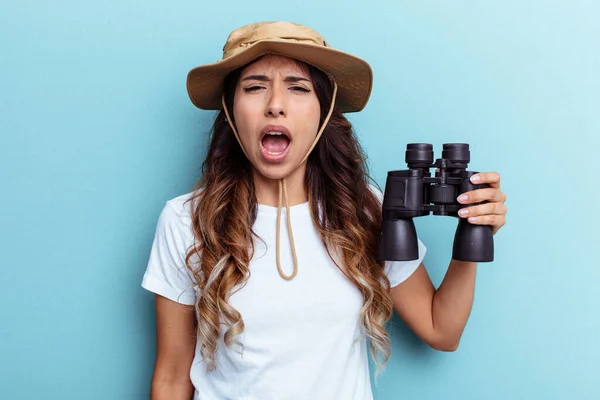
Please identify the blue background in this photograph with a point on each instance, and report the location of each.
(97, 133)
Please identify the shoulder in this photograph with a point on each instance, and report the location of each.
(178, 210)
(175, 220)
(166, 273)
(376, 191)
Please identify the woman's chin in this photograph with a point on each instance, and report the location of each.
(274, 171)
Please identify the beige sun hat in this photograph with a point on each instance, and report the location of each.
(353, 75)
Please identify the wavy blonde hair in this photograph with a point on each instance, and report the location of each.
(224, 209)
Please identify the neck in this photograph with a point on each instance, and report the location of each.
(267, 190)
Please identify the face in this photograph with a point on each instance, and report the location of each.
(277, 113)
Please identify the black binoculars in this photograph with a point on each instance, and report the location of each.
(415, 193)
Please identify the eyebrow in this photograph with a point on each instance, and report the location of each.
(264, 78)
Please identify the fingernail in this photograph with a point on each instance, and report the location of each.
(462, 197)
(463, 211)
(472, 219)
(475, 178)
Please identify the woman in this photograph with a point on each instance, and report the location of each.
(266, 279)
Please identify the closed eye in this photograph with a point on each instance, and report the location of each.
(300, 89)
(253, 88)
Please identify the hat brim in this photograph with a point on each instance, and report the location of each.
(353, 75)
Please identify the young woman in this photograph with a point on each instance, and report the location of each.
(266, 278)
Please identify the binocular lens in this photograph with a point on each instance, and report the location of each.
(456, 152)
(419, 153)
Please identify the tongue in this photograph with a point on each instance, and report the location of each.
(275, 144)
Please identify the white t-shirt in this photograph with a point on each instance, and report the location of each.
(302, 338)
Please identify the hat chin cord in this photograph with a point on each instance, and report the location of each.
(283, 197)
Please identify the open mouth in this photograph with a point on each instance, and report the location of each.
(275, 143)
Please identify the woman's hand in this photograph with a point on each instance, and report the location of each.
(491, 213)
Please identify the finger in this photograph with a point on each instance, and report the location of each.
(491, 178)
(483, 209)
(496, 221)
(478, 195)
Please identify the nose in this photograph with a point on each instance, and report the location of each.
(276, 106)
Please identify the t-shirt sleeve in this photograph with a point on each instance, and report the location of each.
(399, 271)
(166, 273)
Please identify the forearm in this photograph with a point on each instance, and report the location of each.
(169, 390)
(452, 303)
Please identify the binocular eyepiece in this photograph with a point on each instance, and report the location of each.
(415, 193)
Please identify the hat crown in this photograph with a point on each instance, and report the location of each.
(353, 75)
(247, 35)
